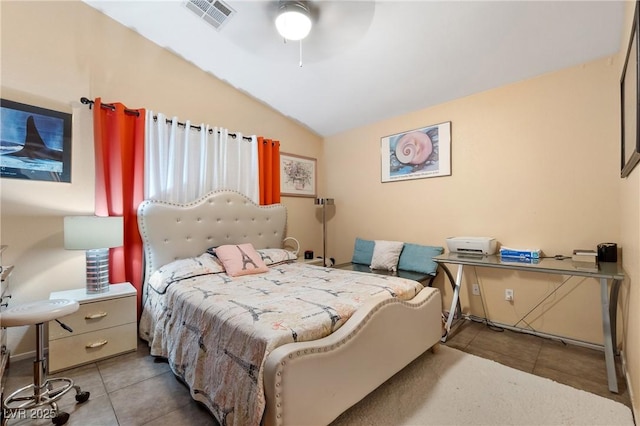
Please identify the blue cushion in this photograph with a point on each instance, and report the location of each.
(418, 258)
(363, 251)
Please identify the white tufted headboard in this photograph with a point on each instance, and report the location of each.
(173, 231)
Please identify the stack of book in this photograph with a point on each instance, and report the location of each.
(508, 254)
(584, 258)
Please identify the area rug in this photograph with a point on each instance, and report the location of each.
(455, 388)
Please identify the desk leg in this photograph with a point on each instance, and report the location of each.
(452, 281)
(608, 337)
(613, 313)
(454, 303)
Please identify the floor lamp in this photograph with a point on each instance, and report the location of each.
(324, 202)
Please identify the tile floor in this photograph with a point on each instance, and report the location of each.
(133, 389)
(130, 389)
(573, 365)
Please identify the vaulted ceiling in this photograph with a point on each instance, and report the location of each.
(366, 61)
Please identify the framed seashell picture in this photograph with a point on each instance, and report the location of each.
(417, 154)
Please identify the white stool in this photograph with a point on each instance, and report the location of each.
(43, 391)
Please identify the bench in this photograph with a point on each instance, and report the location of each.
(425, 279)
(416, 258)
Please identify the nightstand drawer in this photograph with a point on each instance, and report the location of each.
(80, 349)
(96, 316)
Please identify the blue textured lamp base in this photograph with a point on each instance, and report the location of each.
(97, 271)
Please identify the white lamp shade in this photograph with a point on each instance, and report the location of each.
(92, 232)
(293, 21)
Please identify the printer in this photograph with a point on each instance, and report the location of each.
(472, 245)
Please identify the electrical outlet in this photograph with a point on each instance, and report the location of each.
(475, 289)
(508, 295)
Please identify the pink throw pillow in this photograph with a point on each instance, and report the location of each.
(241, 259)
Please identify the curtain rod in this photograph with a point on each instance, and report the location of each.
(89, 102)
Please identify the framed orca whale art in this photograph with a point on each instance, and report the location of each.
(35, 143)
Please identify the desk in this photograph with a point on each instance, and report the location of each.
(605, 272)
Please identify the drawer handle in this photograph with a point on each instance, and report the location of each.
(96, 315)
(96, 344)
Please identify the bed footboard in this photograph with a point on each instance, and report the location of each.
(314, 382)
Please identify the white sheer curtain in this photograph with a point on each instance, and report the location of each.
(183, 163)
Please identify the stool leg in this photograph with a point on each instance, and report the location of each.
(39, 367)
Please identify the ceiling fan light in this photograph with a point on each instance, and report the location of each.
(293, 21)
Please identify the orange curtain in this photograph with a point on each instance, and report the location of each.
(119, 153)
(269, 170)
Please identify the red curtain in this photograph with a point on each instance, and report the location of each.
(269, 170)
(119, 153)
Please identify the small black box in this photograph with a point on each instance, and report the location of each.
(308, 254)
(607, 252)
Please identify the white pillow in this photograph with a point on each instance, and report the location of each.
(386, 255)
(275, 256)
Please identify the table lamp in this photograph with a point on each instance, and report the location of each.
(96, 235)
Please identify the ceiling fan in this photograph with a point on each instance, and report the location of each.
(335, 26)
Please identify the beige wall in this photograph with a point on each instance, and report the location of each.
(54, 53)
(534, 164)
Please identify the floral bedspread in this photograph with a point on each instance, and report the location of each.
(217, 331)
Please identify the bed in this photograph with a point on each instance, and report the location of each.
(305, 373)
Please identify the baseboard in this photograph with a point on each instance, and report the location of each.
(535, 333)
(625, 372)
(24, 355)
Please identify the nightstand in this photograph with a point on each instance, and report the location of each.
(104, 326)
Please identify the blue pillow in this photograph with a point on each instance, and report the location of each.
(418, 258)
(363, 251)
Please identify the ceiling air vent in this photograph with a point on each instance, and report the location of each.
(215, 12)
